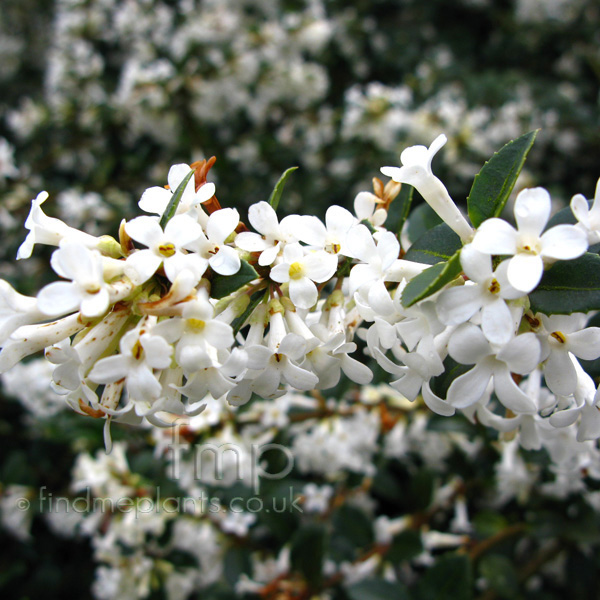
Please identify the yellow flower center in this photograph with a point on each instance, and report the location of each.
(137, 350)
(559, 336)
(494, 286)
(167, 249)
(197, 325)
(296, 270)
(92, 288)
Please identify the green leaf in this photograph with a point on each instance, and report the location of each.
(450, 578)
(255, 300)
(431, 280)
(175, 200)
(308, 552)
(568, 287)
(452, 370)
(405, 545)
(377, 589)
(237, 561)
(399, 208)
(278, 189)
(421, 220)
(494, 183)
(500, 575)
(434, 246)
(223, 285)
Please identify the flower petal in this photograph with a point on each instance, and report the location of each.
(468, 344)
(495, 236)
(525, 271)
(470, 387)
(532, 210)
(303, 292)
(564, 242)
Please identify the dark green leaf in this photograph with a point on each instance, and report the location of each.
(421, 220)
(223, 285)
(308, 552)
(431, 280)
(405, 546)
(255, 300)
(500, 575)
(568, 287)
(434, 246)
(450, 578)
(237, 561)
(278, 189)
(175, 200)
(452, 370)
(399, 208)
(377, 589)
(353, 524)
(489, 522)
(494, 183)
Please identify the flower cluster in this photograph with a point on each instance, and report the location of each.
(189, 304)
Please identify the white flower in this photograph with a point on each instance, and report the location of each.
(531, 248)
(332, 237)
(489, 292)
(87, 291)
(163, 248)
(378, 258)
(197, 331)
(416, 171)
(365, 209)
(566, 335)
(589, 218)
(521, 355)
(316, 499)
(237, 522)
(48, 230)
(156, 199)
(263, 218)
(16, 310)
(280, 365)
(222, 259)
(302, 269)
(140, 352)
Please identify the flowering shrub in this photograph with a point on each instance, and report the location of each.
(365, 485)
(187, 316)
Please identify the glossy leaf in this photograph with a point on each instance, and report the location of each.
(308, 552)
(569, 286)
(223, 285)
(431, 280)
(377, 589)
(436, 245)
(175, 200)
(278, 189)
(494, 183)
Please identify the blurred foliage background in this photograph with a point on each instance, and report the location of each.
(100, 97)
